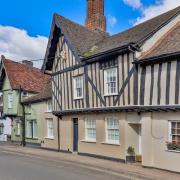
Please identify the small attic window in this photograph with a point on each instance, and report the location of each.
(24, 94)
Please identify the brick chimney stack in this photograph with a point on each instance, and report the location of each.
(95, 19)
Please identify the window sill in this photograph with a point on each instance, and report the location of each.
(107, 95)
(31, 138)
(175, 151)
(50, 138)
(48, 111)
(109, 143)
(80, 98)
(88, 141)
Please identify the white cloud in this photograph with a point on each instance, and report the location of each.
(133, 3)
(156, 9)
(112, 21)
(17, 45)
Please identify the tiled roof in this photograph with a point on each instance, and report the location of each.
(80, 37)
(45, 94)
(28, 78)
(88, 42)
(169, 44)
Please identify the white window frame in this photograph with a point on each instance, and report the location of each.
(18, 129)
(81, 81)
(1, 129)
(10, 100)
(49, 106)
(30, 129)
(50, 130)
(170, 130)
(90, 126)
(107, 85)
(110, 141)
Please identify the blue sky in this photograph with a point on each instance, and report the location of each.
(35, 15)
(25, 24)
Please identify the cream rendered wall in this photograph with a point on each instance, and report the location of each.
(155, 152)
(66, 133)
(100, 147)
(46, 142)
(128, 134)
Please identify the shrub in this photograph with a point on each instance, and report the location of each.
(131, 151)
(173, 146)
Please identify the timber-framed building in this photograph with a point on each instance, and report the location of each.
(113, 92)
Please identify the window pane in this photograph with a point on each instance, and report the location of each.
(110, 77)
(90, 126)
(50, 128)
(34, 129)
(78, 87)
(112, 131)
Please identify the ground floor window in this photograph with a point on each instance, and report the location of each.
(31, 129)
(90, 128)
(18, 125)
(174, 135)
(175, 132)
(1, 129)
(50, 128)
(112, 130)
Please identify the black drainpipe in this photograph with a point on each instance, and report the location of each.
(22, 119)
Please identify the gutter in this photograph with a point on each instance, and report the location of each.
(157, 59)
(35, 101)
(113, 52)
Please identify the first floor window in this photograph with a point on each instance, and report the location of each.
(1, 129)
(31, 129)
(18, 129)
(50, 128)
(110, 81)
(90, 126)
(10, 100)
(174, 132)
(49, 106)
(78, 87)
(112, 130)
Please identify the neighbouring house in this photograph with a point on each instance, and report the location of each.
(42, 127)
(115, 92)
(5, 124)
(17, 82)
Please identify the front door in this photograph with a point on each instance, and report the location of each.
(75, 135)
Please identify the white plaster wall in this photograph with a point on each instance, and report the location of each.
(154, 138)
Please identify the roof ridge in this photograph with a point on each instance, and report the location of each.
(96, 32)
(150, 20)
(16, 62)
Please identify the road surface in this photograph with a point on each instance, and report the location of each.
(14, 166)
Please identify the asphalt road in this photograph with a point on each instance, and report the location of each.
(22, 167)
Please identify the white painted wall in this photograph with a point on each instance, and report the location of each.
(7, 128)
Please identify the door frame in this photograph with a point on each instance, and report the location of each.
(75, 134)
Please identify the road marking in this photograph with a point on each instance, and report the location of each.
(74, 164)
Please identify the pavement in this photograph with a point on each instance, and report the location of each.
(25, 163)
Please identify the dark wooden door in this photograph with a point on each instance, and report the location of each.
(75, 134)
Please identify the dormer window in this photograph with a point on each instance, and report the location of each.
(24, 94)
